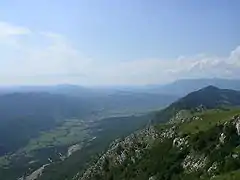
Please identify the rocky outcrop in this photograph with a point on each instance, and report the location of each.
(180, 142)
(222, 138)
(194, 162)
(130, 147)
(180, 117)
(213, 169)
(152, 178)
(237, 124)
(126, 152)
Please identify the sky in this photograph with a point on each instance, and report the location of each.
(117, 42)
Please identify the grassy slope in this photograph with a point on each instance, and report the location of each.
(210, 118)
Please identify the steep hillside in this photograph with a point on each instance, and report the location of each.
(203, 146)
(201, 143)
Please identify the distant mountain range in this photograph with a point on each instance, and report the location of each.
(178, 88)
(185, 86)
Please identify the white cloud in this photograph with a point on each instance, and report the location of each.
(29, 57)
(7, 29)
(9, 34)
(152, 71)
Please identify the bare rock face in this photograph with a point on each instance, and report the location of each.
(236, 122)
(180, 142)
(152, 178)
(212, 170)
(120, 150)
(180, 117)
(238, 126)
(222, 138)
(235, 156)
(167, 134)
(194, 162)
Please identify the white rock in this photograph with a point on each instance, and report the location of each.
(235, 156)
(222, 138)
(152, 178)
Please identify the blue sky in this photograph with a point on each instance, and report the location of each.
(93, 42)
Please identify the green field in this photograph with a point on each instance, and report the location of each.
(70, 132)
(47, 145)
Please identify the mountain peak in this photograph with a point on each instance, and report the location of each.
(209, 97)
(210, 87)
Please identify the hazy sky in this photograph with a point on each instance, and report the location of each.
(106, 42)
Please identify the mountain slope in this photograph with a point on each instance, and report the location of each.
(172, 152)
(203, 145)
(208, 98)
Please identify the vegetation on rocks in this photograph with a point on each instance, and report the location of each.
(199, 142)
